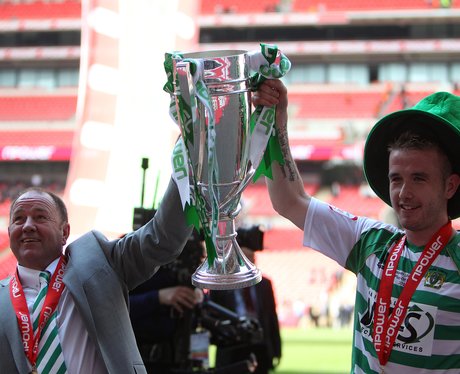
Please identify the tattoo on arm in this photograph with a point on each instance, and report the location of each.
(289, 169)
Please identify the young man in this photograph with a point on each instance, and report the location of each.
(407, 311)
(80, 323)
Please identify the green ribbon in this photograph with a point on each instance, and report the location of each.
(186, 117)
(277, 66)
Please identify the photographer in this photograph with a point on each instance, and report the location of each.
(162, 312)
(257, 302)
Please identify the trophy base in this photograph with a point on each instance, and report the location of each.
(206, 279)
(230, 269)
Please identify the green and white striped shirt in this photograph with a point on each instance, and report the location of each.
(429, 337)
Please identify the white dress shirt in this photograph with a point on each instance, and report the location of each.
(79, 350)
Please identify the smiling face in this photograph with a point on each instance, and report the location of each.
(37, 231)
(420, 186)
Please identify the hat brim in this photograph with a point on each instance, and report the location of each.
(375, 158)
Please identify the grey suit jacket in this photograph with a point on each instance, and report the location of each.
(99, 275)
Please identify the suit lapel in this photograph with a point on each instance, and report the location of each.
(75, 287)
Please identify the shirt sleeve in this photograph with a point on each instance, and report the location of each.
(332, 231)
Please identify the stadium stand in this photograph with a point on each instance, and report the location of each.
(7, 260)
(301, 279)
(364, 104)
(351, 199)
(39, 58)
(241, 6)
(362, 5)
(238, 6)
(255, 198)
(40, 9)
(37, 108)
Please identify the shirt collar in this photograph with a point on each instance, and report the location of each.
(30, 277)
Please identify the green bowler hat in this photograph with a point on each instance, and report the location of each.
(437, 115)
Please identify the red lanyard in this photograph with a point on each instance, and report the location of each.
(55, 288)
(386, 326)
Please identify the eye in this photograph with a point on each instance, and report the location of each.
(41, 218)
(18, 219)
(394, 179)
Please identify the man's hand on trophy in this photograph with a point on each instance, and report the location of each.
(274, 92)
(271, 92)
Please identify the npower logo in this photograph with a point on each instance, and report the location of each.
(27, 153)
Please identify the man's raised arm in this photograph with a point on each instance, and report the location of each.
(286, 189)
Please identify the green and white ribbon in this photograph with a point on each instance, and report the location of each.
(192, 201)
(203, 96)
(268, 63)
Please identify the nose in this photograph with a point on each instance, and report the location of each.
(405, 192)
(29, 224)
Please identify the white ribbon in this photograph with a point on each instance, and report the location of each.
(179, 163)
(261, 135)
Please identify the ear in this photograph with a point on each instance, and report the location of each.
(452, 184)
(65, 233)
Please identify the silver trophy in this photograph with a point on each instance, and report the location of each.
(217, 140)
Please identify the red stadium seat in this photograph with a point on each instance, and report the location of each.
(261, 6)
(344, 5)
(257, 201)
(353, 201)
(7, 263)
(37, 108)
(40, 10)
(237, 6)
(363, 104)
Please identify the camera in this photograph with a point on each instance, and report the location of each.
(226, 329)
(251, 237)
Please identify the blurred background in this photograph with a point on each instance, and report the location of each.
(82, 103)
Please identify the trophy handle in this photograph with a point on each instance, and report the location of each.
(247, 178)
(238, 189)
